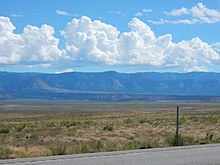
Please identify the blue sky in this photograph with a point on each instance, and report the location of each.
(125, 36)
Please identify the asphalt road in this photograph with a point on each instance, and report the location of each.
(193, 155)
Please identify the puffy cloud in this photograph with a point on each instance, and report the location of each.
(216, 46)
(34, 46)
(197, 14)
(92, 41)
(96, 42)
(178, 12)
(205, 14)
(193, 55)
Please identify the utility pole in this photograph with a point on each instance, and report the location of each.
(177, 126)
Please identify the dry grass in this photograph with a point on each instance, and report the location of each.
(81, 127)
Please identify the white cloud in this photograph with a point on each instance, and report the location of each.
(180, 21)
(138, 14)
(141, 13)
(216, 46)
(94, 42)
(91, 41)
(34, 46)
(147, 10)
(197, 14)
(205, 14)
(69, 70)
(17, 15)
(117, 12)
(61, 12)
(178, 12)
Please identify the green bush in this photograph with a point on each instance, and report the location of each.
(132, 145)
(4, 130)
(150, 143)
(128, 120)
(97, 145)
(142, 121)
(20, 127)
(58, 149)
(90, 147)
(209, 138)
(108, 127)
(69, 124)
(82, 148)
(34, 136)
(182, 140)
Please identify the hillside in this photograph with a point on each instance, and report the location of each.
(110, 85)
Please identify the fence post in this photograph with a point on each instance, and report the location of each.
(177, 126)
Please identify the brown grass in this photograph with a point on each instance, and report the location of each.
(36, 130)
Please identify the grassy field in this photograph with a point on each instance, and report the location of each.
(40, 128)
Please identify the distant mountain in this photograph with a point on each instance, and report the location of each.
(110, 85)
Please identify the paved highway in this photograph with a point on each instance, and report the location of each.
(193, 155)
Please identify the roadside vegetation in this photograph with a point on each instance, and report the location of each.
(31, 130)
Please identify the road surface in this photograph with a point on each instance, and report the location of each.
(191, 155)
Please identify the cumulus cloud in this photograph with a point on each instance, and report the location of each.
(92, 42)
(95, 42)
(216, 46)
(205, 14)
(61, 12)
(34, 46)
(197, 14)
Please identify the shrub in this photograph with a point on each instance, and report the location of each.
(5, 152)
(132, 145)
(90, 147)
(182, 120)
(34, 136)
(108, 127)
(58, 149)
(150, 143)
(97, 145)
(20, 127)
(142, 121)
(82, 148)
(4, 130)
(209, 138)
(128, 120)
(182, 140)
(69, 123)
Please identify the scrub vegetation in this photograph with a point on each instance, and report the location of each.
(42, 128)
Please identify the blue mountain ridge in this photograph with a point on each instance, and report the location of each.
(78, 85)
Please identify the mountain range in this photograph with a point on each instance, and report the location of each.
(111, 86)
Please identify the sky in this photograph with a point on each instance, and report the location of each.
(55, 36)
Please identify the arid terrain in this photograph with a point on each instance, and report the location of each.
(40, 128)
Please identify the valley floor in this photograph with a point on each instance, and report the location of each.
(42, 128)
